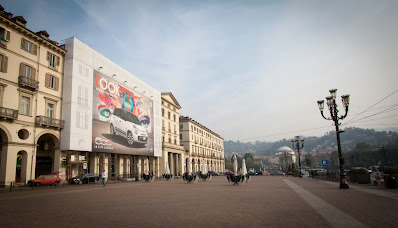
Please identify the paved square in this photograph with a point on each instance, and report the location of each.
(265, 201)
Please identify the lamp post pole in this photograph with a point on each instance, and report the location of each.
(298, 144)
(331, 102)
(385, 161)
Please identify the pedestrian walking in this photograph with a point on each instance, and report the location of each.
(103, 176)
(316, 174)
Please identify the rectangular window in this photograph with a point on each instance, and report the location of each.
(1, 94)
(52, 82)
(4, 34)
(50, 110)
(82, 97)
(53, 60)
(81, 120)
(28, 46)
(27, 72)
(83, 71)
(3, 63)
(25, 106)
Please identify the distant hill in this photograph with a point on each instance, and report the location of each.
(349, 139)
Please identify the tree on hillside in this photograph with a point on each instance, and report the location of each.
(248, 155)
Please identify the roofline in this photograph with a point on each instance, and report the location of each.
(38, 38)
(193, 121)
(172, 97)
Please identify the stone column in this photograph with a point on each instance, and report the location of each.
(57, 160)
(10, 164)
(181, 164)
(3, 165)
(93, 163)
(171, 164)
(158, 172)
(177, 167)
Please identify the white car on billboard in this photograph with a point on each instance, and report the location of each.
(127, 125)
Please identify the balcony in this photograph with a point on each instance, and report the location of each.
(8, 113)
(28, 82)
(49, 122)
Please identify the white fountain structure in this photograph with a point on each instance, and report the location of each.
(147, 176)
(239, 178)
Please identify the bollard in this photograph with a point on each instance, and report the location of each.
(11, 186)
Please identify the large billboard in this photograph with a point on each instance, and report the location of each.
(122, 119)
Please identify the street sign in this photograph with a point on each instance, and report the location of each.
(324, 162)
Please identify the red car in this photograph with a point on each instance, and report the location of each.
(228, 173)
(50, 179)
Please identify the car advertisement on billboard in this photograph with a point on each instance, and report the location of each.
(122, 119)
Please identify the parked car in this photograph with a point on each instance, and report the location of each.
(228, 173)
(277, 173)
(259, 172)
(127, 125)
(213, 173)
(252, 172)
(50, 179)
(84, 178)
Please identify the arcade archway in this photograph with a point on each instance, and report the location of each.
(45, 156)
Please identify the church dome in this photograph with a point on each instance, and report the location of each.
(285, 149)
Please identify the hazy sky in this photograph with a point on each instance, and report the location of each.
(248, 70)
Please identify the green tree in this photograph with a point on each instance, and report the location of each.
(310, 161)
(249, 163)
(229, 166)
(248, 155)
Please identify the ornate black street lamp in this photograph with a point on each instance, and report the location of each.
(298, 144)
(331, 102)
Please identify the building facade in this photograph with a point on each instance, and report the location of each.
(31, 81)
(173, 154)
(201, 145)
(112, 118)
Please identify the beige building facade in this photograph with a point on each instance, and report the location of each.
(201, 145)
(31, 76)
(173, 154)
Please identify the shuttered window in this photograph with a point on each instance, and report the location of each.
(53, 60)
(27, 71)
(28, 46)
(5, 34)
(3, 63)
(52, 82)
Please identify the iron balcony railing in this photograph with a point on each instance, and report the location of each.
(8, 113)
(49, 122)
(28, 82)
